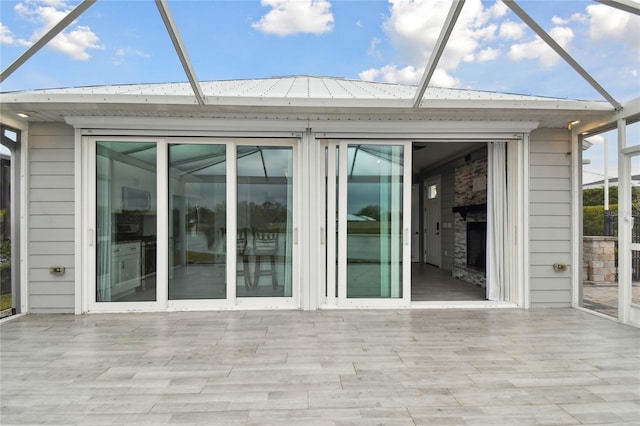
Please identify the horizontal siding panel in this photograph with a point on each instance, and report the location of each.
(51, 195)
(52, 142)
(550, 184)
(50, 207)
(560, 147)
(52, 182)
(553, 284)
(42, 261)
(550, 159)
(550, 234)
(550, 246)
(45, 168)
(550, 209)
(52, 288)
(51, 155)
(63, 234)
(550, 171)
(42, 274)
(546, 271)
(50, 129)
(51, 301)
(551, 296)
(52, 221)
(550, 222)
(549, 197)
(548, 259)
(51, 248)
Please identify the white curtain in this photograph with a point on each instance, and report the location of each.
(497, 265)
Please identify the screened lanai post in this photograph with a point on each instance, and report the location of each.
(172, 29)
(447, 28)
(497, 263)
(511, 4)
(35, 47)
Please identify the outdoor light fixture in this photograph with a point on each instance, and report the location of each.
(23, 115)
(573, 123)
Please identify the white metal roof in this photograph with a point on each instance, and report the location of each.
(293, 87)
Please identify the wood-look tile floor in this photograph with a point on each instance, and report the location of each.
(358, 367)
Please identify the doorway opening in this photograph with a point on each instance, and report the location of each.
(451, 178)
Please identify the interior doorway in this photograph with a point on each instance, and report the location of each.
(452, 181)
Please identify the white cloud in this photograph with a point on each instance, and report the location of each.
(510, 30)
(6, 36)
(413, 28)
(596, 139)
(122, 54)
(488, 54)
(559, 21)
(75, 41)
(407, 75)
(540, 50)
(373, 48)
(288, 17)
(607, 23)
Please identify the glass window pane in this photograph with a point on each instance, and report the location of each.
(264, 233)
(126, 221)
(374, 221)
(197, 222)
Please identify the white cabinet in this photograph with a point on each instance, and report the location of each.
(125, 268)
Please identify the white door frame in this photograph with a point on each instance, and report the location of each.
(433, 206)
(628, 312)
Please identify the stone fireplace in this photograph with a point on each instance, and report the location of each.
(470, 233)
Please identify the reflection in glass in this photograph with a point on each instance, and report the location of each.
(126, 221)
(264, 229)
(197, 221)
(374, 221)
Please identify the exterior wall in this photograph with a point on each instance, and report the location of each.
(51, 217)
(550, 217)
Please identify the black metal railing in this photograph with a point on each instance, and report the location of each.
(611, 230)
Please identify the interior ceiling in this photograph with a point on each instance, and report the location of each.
(427, 155)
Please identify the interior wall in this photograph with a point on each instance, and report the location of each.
(51, 218)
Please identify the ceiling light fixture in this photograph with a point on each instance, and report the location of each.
(23, 115)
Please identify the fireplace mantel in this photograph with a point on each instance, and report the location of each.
(472, 208)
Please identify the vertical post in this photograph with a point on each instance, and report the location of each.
(625, 225)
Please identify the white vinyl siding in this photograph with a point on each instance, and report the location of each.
(550, 217)
(51, 217)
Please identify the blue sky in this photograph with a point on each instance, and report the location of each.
(117, 42)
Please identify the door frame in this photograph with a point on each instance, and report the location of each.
(437, 258)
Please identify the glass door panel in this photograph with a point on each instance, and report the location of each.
(374, 221)
(197, 221)
(264, 221)
(126, 221)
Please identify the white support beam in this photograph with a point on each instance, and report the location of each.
(447, 28)
(626, 5)
(35, 47)
(172, 29)
(560, 51)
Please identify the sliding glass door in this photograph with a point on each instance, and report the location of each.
(199, 223)
(368, 190)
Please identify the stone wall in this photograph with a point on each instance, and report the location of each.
(471, 189)
(599, 260)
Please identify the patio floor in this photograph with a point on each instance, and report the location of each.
(357, 367)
